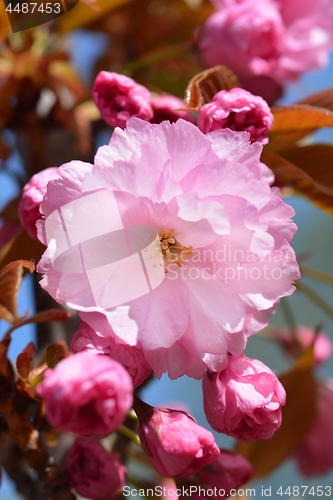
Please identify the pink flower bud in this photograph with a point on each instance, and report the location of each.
(322, 345)
(244, 400)
(87, 394)
(131, 357)
(32, 196)
(119, 98)
(175, 444)
(238, 110)
(227, 472)
(315, 455)
(166, 108)
(93, 472)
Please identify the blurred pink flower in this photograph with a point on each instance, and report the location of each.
(131, 357)
(166, 108)
(223, 257)
(315, 455)
(93, 472)
(238, 110)
(280, 39)
(322, 347)
(87, 394)
(244, 401)
(32, 196)
(119, 98)
(229, 471)
(175, 444)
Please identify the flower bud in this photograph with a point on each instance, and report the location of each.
(87, 394)
(237, 110)
(229, 471)
(167, 107)
(131, 357)
(119, 98)
(175, 444)
(32, 196)
(244, 400)
(93, 472)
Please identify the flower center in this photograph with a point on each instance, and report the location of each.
(173, 251)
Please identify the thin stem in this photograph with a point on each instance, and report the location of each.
(289, 315)
(319, 275)
(290, 318)
(132, 415)
(22, 322)
(129, 434)
(315, 298)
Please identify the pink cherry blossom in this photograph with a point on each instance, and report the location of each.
(93, 472)
(131, 357)
(119, 98)
(245, 400)
(87, 394)
(166, 107)
(280, 39)
(238, 110)
(315, 455)
(175, 444)
(32, 196)
(229, 471)
(220, 261)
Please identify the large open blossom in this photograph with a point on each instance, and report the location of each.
(173, 241)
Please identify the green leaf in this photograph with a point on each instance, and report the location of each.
(85, 13)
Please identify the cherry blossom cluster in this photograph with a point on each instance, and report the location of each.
(266, 42)
(197, 190)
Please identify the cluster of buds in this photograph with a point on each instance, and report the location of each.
(119, 98)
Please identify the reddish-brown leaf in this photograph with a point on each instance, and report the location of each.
(292, 123)
(6, 369)
(24, 359)
(10, 282)
(322, 99)
(206, 84)
(317, 161)
(55, 352)
(315, 188)
(23, 246)
(297, 418)
(49, 315)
